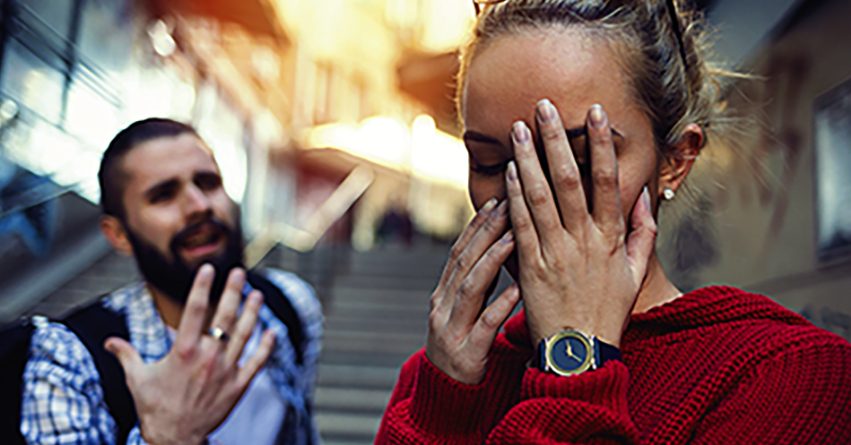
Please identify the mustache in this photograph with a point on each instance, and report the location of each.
(212, 222)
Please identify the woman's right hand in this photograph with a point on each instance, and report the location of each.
(460, 330)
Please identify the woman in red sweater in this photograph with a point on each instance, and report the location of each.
(580, 116)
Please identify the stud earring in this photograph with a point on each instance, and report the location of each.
(668, 194)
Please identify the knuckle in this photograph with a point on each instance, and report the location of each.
(467, 289)
(228, 318)
(603, 138)
(185, 352)
(462, 261)
(522, 225)
(538, 196)
(605, 177)
(435, 321)
(433, 300)
(196, 306)
(456, 251)
(539, 268)
(490, 319)
(551, 133)
(567, 178)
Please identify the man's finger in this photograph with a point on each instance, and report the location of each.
(256, 361)
(126, 354)
(225, 316)
(244, 327)
(195, 311)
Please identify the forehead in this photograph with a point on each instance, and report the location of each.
(166, 158)
(569, 66)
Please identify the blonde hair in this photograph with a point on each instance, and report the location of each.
(672, 79)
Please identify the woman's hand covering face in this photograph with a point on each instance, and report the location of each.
(578, 266)
(460, 329)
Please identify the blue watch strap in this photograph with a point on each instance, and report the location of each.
(605, 352)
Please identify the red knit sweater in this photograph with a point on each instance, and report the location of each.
(715, 366)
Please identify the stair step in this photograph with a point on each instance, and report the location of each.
(348, 427)
(379, 295)
(367, 344)
(359, 358)
(348, 376)
(386, 282)
(352, 400)
(378, 306)
(377, 324)
(413, 314)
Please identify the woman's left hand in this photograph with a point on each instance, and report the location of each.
(580, 271)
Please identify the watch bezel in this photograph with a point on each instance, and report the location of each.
(587, 364)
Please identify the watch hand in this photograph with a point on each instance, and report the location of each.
(570, 352)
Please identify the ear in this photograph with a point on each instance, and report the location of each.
(680, 158)
(113, 229)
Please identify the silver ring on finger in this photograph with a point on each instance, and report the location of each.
(218, 334)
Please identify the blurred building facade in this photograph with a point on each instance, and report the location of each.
(299, 101)
(770, 212)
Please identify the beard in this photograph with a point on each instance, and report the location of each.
(173, 276)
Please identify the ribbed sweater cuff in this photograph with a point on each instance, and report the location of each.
(606, 386)
(444, 406)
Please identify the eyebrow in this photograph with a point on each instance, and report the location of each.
(160, 187)
(572, 133)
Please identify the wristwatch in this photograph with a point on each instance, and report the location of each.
(571, 352)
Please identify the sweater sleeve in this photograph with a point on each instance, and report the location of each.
(428, 407)
(584, 409)
(801, 395)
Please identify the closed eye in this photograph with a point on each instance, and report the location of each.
(490, 169)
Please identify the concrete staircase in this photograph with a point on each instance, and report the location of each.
(375, 319)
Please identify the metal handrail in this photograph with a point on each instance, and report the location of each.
(329, 212)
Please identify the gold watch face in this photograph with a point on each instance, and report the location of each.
(569, 353)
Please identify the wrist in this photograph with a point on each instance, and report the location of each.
(172, 439)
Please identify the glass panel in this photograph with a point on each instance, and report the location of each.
(107, 33)
(31, 82)
(54, 13)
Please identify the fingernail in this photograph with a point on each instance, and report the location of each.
(511, 171)
(546, 110)
(598, 116)
(502, 209)
(507, 238)
(206, 269)
(489, 205)
(520, 133)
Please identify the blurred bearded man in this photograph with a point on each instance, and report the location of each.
(210, 353)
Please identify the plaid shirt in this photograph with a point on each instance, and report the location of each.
(63, 401)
